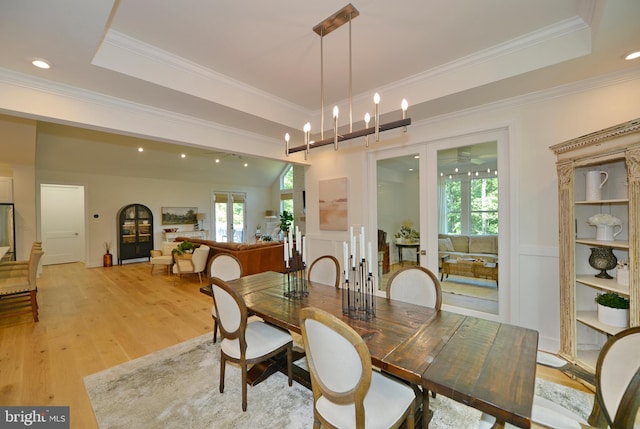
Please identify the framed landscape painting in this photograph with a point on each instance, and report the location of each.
(179, 215)
(333, 204)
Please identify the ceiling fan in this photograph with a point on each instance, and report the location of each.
(464, 156)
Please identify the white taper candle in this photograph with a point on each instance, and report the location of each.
(345, 265)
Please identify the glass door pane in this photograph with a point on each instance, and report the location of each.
(398, 195)
(220, 213)
(238, 218)
(229, 216)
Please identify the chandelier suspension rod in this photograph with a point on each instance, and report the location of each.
(350, 81)
(321, 84)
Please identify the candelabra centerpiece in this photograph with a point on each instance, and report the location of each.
(359, 285)
(295, 266)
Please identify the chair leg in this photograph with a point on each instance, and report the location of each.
(244, 386)
(223, 364)
(289, 362)
(215, 329)
(34, 305)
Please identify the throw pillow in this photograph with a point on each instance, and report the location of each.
(445, 245)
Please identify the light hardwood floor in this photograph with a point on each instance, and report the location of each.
(93, 319)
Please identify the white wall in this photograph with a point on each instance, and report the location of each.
(534, 123)
(106, 195)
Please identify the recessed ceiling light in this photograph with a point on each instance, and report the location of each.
(246, 165)
(140, 149)
(217, 161)
(632, 55)
(183, 156)
(41, 64)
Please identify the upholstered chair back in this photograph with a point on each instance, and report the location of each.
(417, 285)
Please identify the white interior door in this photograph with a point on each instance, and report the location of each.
(62, 222)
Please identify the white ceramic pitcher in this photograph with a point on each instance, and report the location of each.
(595, 181)
(607, 233)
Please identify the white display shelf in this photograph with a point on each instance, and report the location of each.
(590, 318)
(603, 284)
(618, 244)
(600, 202)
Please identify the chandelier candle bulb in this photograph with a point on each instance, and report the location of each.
(362, 243)
(307, 129)
(405, 106)
(376, 120)
(370, 254)
(286, 139)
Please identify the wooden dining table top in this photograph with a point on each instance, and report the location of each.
(484, 364)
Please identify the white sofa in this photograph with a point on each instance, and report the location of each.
(484, 247)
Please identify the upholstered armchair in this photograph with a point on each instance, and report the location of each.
(163, 256)
(194, 263)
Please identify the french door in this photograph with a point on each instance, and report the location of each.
(229, 216)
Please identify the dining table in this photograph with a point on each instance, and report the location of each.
(487, 365)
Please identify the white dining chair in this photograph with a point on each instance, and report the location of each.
(325, 270)
(227, 267)
(416, 285)
(245, 342)
(347, 393)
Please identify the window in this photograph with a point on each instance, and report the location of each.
(471, 205)
(286, 190)
(484, 206)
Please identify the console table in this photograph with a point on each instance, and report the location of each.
(401, 246)
(171, 236)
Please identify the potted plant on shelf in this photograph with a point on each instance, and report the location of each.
(286, 219)
(613, 309)
(107, 259)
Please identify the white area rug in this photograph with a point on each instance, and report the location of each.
(178, 388)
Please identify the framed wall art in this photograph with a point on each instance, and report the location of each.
(179, 215)
(333, 204)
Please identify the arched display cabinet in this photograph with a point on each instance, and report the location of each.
(135, 232)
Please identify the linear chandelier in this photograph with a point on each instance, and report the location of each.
(335, 21)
